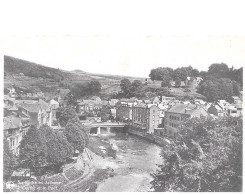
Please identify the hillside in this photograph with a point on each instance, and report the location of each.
(37, 77)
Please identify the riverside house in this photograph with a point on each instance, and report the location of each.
(178, 113)
(145, 117)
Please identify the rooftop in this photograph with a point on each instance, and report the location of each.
(11, 122)
(183, 108)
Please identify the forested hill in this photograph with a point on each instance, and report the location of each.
(16, 66)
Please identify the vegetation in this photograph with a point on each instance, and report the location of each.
(206, 156)
(44, 149)
(33, 151)
(14, 65)
(76, 135)
(9, 160)
(219, 88)
(59, 149)
(85, 89)
(167, 74)
(65, 114)
(129, 89)
(105, 113)
(219, 82)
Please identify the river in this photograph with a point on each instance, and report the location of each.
(136, 160)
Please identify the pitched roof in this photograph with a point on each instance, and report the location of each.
(95, 97)
(235, 97)
(13, 108)
(54, 102)
(141, 105)
(44, 105)
(31, 107)
(11, 122)
(182, 108)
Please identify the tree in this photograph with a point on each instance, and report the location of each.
(94, 87)
(33, 151)
(75, 135)
(9, 160)
(205, 156)
(218, 88)
(65, 114)
(161, 74)
(136, 85)
(69, 98)
(195, 73)
(58, 148)
(165, 83)
(219, 70)
(125, 86)
(105, 113)
(180, 73)
(236, 88)
(6, 91)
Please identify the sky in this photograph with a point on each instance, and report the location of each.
(124, 37)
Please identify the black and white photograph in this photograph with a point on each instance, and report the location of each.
(122, 96)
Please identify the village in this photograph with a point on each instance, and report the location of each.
(160, 116)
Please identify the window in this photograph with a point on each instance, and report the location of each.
(153, 121)
(153, 116)
(12, 143)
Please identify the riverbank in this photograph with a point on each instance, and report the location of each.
(96, 170)
(150, 137)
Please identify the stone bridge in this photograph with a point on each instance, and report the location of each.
(96, 127)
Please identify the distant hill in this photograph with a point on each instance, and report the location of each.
(38, 77)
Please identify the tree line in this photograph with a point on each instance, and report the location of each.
(130, 89)
(219, 82)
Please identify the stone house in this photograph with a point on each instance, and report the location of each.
(193, 82)
(15, 129)
(216, 110)
(124, 109)
(145, 117)
(178, 113)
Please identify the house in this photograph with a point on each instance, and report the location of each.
(96, 98)
(38, 112)
(14, 130)
(54, 105)
(224, 105)
(124, 109)
(145, 117)
(113, 112)
(12, 93)
(232, 111)
(92, 106)
(193, 82)
(156, 100)
(113, 102)
(105, 103)
(147, 101)
(178, 113)
(166, 100)
(235, 110)
(199, 101)
(216, 110)
(163, 108)
(235, 99)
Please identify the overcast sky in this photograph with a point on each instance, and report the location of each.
(124, 37)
